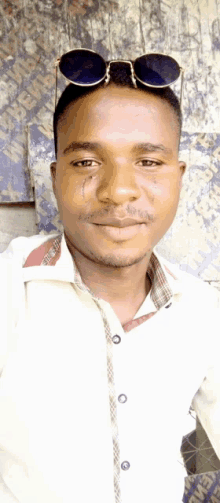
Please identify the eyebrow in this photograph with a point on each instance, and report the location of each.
(151, 147)
(137, 149)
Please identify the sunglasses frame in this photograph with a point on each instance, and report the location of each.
(107, 76)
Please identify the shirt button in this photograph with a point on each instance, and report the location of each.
(125, 465)
(168, 305)
(116, 339)
(122, 398)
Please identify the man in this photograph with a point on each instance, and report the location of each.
(96, 382)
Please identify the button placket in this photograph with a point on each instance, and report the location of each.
(122, 398)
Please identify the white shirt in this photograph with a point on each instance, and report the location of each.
(55, 422)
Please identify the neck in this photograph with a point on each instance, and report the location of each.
(124, 286)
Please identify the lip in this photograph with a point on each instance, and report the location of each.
(124, 233)
(118, 222)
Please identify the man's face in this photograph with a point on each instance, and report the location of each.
(130, 171)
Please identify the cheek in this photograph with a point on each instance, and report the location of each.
(164, 191)
(75, 192)
(67, 192)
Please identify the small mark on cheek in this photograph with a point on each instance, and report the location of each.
(83, 186)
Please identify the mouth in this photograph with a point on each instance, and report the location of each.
(120, 232)
(118, 222)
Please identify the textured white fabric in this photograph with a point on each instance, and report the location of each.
(55, 428)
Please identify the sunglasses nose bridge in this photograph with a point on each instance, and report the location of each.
(107, 79)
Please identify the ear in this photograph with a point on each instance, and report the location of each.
(182, 167)
(53, 168)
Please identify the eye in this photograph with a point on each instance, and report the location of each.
(87, 163)
(150, 162)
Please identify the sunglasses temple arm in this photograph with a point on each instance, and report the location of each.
(181, 88)
(55, 86)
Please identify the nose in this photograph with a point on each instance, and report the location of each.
(119, 184)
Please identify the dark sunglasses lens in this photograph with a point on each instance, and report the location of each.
(83, 67)
(157, 70)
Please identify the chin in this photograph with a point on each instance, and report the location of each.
(117, 259)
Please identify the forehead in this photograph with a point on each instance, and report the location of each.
(116, 115)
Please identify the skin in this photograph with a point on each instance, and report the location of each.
(116, 181)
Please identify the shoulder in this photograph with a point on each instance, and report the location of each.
(19, 248)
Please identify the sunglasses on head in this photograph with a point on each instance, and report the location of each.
(84, 67)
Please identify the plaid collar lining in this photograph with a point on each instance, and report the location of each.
(160, 292)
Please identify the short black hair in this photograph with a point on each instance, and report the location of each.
(120, 75)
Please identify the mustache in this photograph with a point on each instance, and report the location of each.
(145, 216)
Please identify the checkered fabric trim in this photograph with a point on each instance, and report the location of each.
(161, 292)
(53, 251)
(111, 387)
(138, 321)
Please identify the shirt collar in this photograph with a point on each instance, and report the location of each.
(54, 252)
